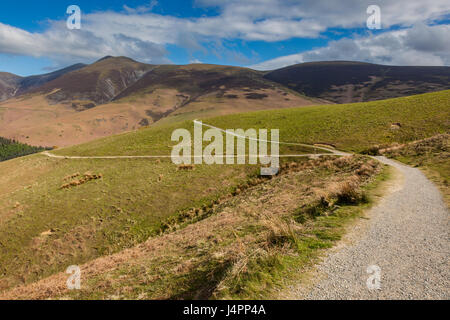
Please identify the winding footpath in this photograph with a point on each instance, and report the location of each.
(405, 241)
(328, 151)
(406, 238)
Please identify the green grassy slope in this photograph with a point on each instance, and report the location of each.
(353, 127)
(43, 229)
(240, 246)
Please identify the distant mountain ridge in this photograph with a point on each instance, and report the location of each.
(347, 81)
(95, 84)
(112, 78)
(12, 85)
(28, 83)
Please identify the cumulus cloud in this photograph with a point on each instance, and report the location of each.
(323, 14)
(67, 46)
(419, 45)
(143, 35)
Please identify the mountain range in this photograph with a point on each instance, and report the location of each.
(347, 82)
(116, 94)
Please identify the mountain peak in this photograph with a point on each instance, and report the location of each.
(105, 58)
(112, 58)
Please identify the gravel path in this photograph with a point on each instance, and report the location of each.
(406, 236)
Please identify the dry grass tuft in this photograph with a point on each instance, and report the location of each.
(343, 161)
(72, 176)
(365, 170)
(88, 176)
(186, 167)
(437, 143)
(279, 232)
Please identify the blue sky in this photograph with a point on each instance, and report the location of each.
(262, 34)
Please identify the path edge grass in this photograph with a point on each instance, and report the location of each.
(275, 273)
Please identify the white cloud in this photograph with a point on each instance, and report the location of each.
(195, 61)
(324, 14)
(67, 46)
(143, 35)
(419, 45)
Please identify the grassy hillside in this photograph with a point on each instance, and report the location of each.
(45, 228)
(353, 127)
(243, 246)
